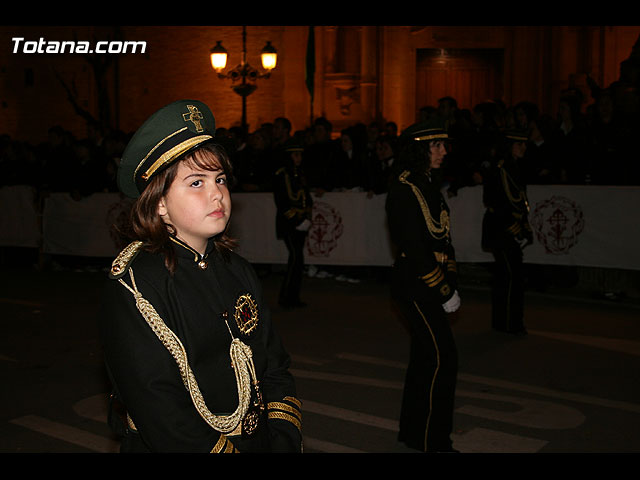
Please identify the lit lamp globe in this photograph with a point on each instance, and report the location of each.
(218, 57)
(269, 57)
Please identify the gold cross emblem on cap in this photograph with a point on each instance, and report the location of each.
(194, 116)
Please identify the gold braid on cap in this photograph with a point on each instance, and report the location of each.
(241, 361)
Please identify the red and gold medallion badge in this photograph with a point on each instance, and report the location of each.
(246, 314)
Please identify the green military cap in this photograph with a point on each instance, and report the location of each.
(432, 129)
(516, 135)
(164, 137)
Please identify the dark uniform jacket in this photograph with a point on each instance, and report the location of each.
(418, 218)
(204, 303)
(292, 198)
(505, 198)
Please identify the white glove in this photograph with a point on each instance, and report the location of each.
(452, 304)
(304, 226)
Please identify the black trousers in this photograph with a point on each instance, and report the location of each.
(426, 417)
(507, 295)
(292, 283)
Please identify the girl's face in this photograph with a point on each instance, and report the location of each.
(197, 204)
(518, 149)
(438, 151)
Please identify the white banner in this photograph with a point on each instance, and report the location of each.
(573, 225)
(81, 227)
(348, 229)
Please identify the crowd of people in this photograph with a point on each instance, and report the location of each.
(592, 146)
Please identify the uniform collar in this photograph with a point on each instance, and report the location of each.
(183, 250)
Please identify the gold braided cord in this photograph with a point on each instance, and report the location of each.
(241, 361)
(299, 194)
(438, 229)
(522, 197)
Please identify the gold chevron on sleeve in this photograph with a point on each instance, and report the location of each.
(433, 278)
(514, 229)
(287, 410)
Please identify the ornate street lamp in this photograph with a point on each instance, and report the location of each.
(243, 76)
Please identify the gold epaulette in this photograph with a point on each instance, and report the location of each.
(121, 263)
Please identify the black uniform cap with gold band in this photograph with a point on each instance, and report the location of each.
(516, 135)
(433, 129)
(293, 145)
(164, 137)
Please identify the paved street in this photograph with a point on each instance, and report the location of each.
(570, 386)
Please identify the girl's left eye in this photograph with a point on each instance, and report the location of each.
(222, 179)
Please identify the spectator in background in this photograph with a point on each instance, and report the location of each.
(383, 167)
(609, 149)
(571, 140)
(320, 158)
(350, 162)
(281, 135)
(524, 114)
(541, 166)
(391, 129)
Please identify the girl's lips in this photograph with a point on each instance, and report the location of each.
(217, 213)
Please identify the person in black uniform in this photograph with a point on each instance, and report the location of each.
(505, 232)
(293, 219)
(424, 287)
(188, 341)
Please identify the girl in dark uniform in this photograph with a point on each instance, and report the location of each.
(293, 219)
(506, 231)
(188, 340)
(424, 288)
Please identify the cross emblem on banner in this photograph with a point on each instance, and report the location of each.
(194, 116)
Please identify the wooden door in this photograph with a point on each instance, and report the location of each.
(470, 76)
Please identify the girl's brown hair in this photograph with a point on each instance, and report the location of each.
(145, 223)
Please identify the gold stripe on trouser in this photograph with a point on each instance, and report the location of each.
(435, 374)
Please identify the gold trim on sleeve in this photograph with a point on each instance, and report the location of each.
(223, 445)
(452, 266)
(293, 400)
(286, 408)
(289, 412)
(433, 278)
(285, 416)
